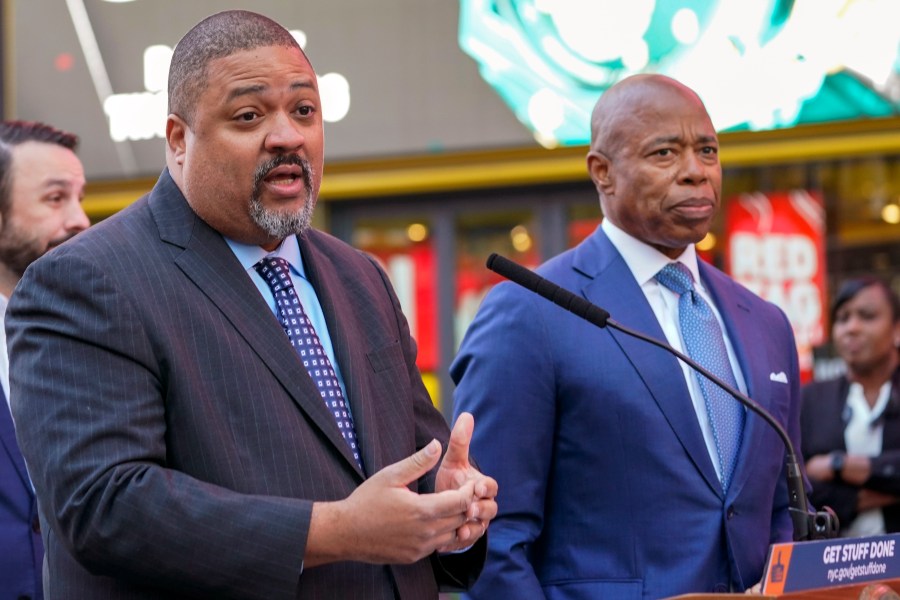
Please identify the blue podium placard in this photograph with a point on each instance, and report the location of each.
(798, 566)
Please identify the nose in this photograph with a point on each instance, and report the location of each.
(76, 219)
(694, 170)
(285, 135)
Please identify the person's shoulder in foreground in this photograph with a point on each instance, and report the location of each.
(178, 441)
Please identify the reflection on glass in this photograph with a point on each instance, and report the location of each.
(403, 248)
(512, 234)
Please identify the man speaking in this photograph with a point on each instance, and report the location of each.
(215, 399)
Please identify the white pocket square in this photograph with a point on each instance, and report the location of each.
(780, 377)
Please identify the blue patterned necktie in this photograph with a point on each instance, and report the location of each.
(276, 273)
(704, 343)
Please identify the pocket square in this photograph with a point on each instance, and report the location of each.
(780, 377)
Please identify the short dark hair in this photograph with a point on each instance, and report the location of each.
(13, 133)
(852, 287)
(217, 36)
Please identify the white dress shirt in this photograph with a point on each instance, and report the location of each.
(864, 436)
(644, 262)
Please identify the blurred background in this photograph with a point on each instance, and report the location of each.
(459, 128)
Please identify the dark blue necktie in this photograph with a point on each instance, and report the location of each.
(276, 273)
(705, 343)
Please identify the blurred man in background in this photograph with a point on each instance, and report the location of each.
(41, 188)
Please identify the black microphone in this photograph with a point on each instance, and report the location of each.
(807, 525)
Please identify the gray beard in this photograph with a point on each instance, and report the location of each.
(281, 224)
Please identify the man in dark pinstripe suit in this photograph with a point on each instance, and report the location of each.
(178, 446)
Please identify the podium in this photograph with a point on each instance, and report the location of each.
(878, 590)
(831, 569)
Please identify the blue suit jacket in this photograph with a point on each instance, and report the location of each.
(21, 550)
(606, 486)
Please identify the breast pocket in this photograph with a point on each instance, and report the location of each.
(386, 357)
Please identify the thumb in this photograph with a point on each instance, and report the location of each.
(402, 472)
(460, 437)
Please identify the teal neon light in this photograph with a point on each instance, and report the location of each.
(761, 64)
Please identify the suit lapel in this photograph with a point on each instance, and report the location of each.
(613, 287)
(325, 276)
(209, 263)
(8, 441)
(745, 335)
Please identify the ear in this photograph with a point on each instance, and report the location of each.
(176, 138)
(601, 173)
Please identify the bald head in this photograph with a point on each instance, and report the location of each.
(217, 36)
(654, 160)
(628, 99)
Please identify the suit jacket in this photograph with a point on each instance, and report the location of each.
(607, 489)
(823, 419)
(21, 549)
(176, 441)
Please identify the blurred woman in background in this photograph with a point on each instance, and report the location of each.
(851, 425)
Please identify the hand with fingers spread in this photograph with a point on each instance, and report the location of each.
(457, 473)
(383, 522)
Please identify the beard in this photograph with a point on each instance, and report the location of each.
(18, 250)
(281, 224)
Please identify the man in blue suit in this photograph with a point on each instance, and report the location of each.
(609, 458)
(41, 188)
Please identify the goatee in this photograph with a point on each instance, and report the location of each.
(281, 224)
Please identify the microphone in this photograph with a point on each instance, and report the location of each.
(807, 525)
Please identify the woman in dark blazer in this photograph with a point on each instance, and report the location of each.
(851, 425)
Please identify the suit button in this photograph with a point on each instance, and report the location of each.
(36, 525)
(729, 513)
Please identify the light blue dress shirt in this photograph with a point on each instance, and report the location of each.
(289, 250)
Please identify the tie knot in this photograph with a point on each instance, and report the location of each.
(676, 277)
(276, 272)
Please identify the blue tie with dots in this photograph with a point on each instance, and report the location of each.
(704, 343)
(276, 273)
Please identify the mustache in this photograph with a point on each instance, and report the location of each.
(282, 159)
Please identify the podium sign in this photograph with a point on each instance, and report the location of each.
(799, 566)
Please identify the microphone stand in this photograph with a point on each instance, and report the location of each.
(807, 524)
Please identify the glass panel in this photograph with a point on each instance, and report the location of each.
(405, 250)
(513, 234)
(583, 220)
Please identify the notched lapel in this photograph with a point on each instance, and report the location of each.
(209, 263)
(8, 441)
(745, 333)
(349, 353)
(614, 288)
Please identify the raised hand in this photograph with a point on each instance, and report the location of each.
(384, 522)
(457, 473)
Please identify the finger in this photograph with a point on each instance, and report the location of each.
(483, 510)
(401, 473)
(449, 503)
(485, 487)
(460, 437)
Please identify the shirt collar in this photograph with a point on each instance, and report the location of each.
(289, 249)
(643, 260)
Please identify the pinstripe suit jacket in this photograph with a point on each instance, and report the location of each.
(175, 440)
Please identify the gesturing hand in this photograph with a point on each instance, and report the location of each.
(384, 522)
(457, 473)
